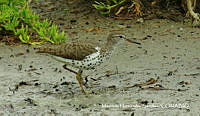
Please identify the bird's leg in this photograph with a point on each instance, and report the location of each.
(80, 80)
(78, 77)
(70, 70)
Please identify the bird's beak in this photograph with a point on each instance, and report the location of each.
(128, 40)
(132, 41)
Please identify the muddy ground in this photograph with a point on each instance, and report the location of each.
(160, 77)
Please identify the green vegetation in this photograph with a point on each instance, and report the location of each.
(108, 6)
(16, 17)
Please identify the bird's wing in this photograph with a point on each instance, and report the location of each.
(72, 50)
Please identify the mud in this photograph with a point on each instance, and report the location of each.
(158, 77)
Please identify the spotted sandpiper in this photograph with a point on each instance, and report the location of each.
(83, 55)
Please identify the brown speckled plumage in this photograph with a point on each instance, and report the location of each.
(77, 50)
(72, 50)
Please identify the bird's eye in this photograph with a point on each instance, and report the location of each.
(121, 36)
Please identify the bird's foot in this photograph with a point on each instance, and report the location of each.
(79, 78)
(85, 78)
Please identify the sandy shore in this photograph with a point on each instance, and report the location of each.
(158, 78)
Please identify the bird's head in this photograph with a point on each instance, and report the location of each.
(114, 38)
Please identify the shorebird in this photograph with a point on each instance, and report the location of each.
(83, 55)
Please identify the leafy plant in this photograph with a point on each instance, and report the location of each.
(55, 35)
(17, 3)
(28, 16)
(118, 7)
(49, 32)
(8, 18)
(105, 8)
(42, 29)
(23, 34)
(17, 17)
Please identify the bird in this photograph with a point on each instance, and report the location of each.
(83, 55)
